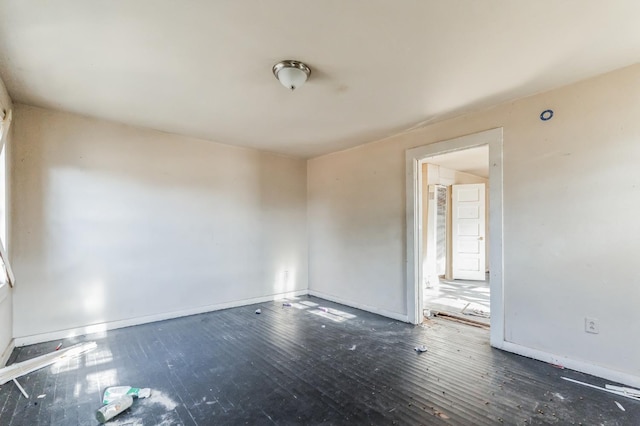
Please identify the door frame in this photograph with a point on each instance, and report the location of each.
(432, 241)
(414, 159)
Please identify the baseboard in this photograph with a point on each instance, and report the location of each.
(372, 309)
(112, 325)
(7, 353)
(581, 366)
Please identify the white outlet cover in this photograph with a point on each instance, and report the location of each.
(591, 325)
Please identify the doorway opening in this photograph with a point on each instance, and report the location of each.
(472, 237)
(455, 230)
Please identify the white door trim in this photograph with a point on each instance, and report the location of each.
(414, 157)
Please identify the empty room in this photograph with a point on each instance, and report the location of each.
(319, 212)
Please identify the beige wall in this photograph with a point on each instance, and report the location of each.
(571, 201)
(6, 296)
(112, 223)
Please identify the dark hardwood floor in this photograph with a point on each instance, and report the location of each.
(306, 365)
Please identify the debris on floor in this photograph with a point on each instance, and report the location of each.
(619, 406)
(258, 311)
(627, 391)
(117, 399)
(59, 346)
(616, 390)
(109, 411)
(420, 349)
(19, 369)
(42, 396)
(159, 398)
(559, 396)
(352, 348)
(286, 304)
(478, 312)
(113, 393)
(440, 414)
(460, 319)
(24, 393)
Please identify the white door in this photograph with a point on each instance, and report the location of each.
(468, 231)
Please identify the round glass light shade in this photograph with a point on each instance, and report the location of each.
(291, 74)
(292, 78)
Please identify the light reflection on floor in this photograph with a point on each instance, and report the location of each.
(467, 299)
(332, 314)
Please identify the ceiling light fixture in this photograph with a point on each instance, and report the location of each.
(291, 74)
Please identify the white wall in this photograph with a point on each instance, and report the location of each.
(113, 223)
(6, 296)
(571, 201)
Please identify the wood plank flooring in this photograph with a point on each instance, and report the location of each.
(313, 363)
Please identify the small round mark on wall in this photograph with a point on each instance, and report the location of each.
(546, 115)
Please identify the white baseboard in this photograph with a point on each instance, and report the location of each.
(112, 325)
(372, 309)
(7, 353)
(571, 364)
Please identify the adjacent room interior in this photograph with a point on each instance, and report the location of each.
(455, 265)
(410, 212)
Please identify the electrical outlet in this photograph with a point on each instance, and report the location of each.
(591, 325)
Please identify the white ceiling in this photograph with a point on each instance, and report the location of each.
(203, 68)
(474, 161)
